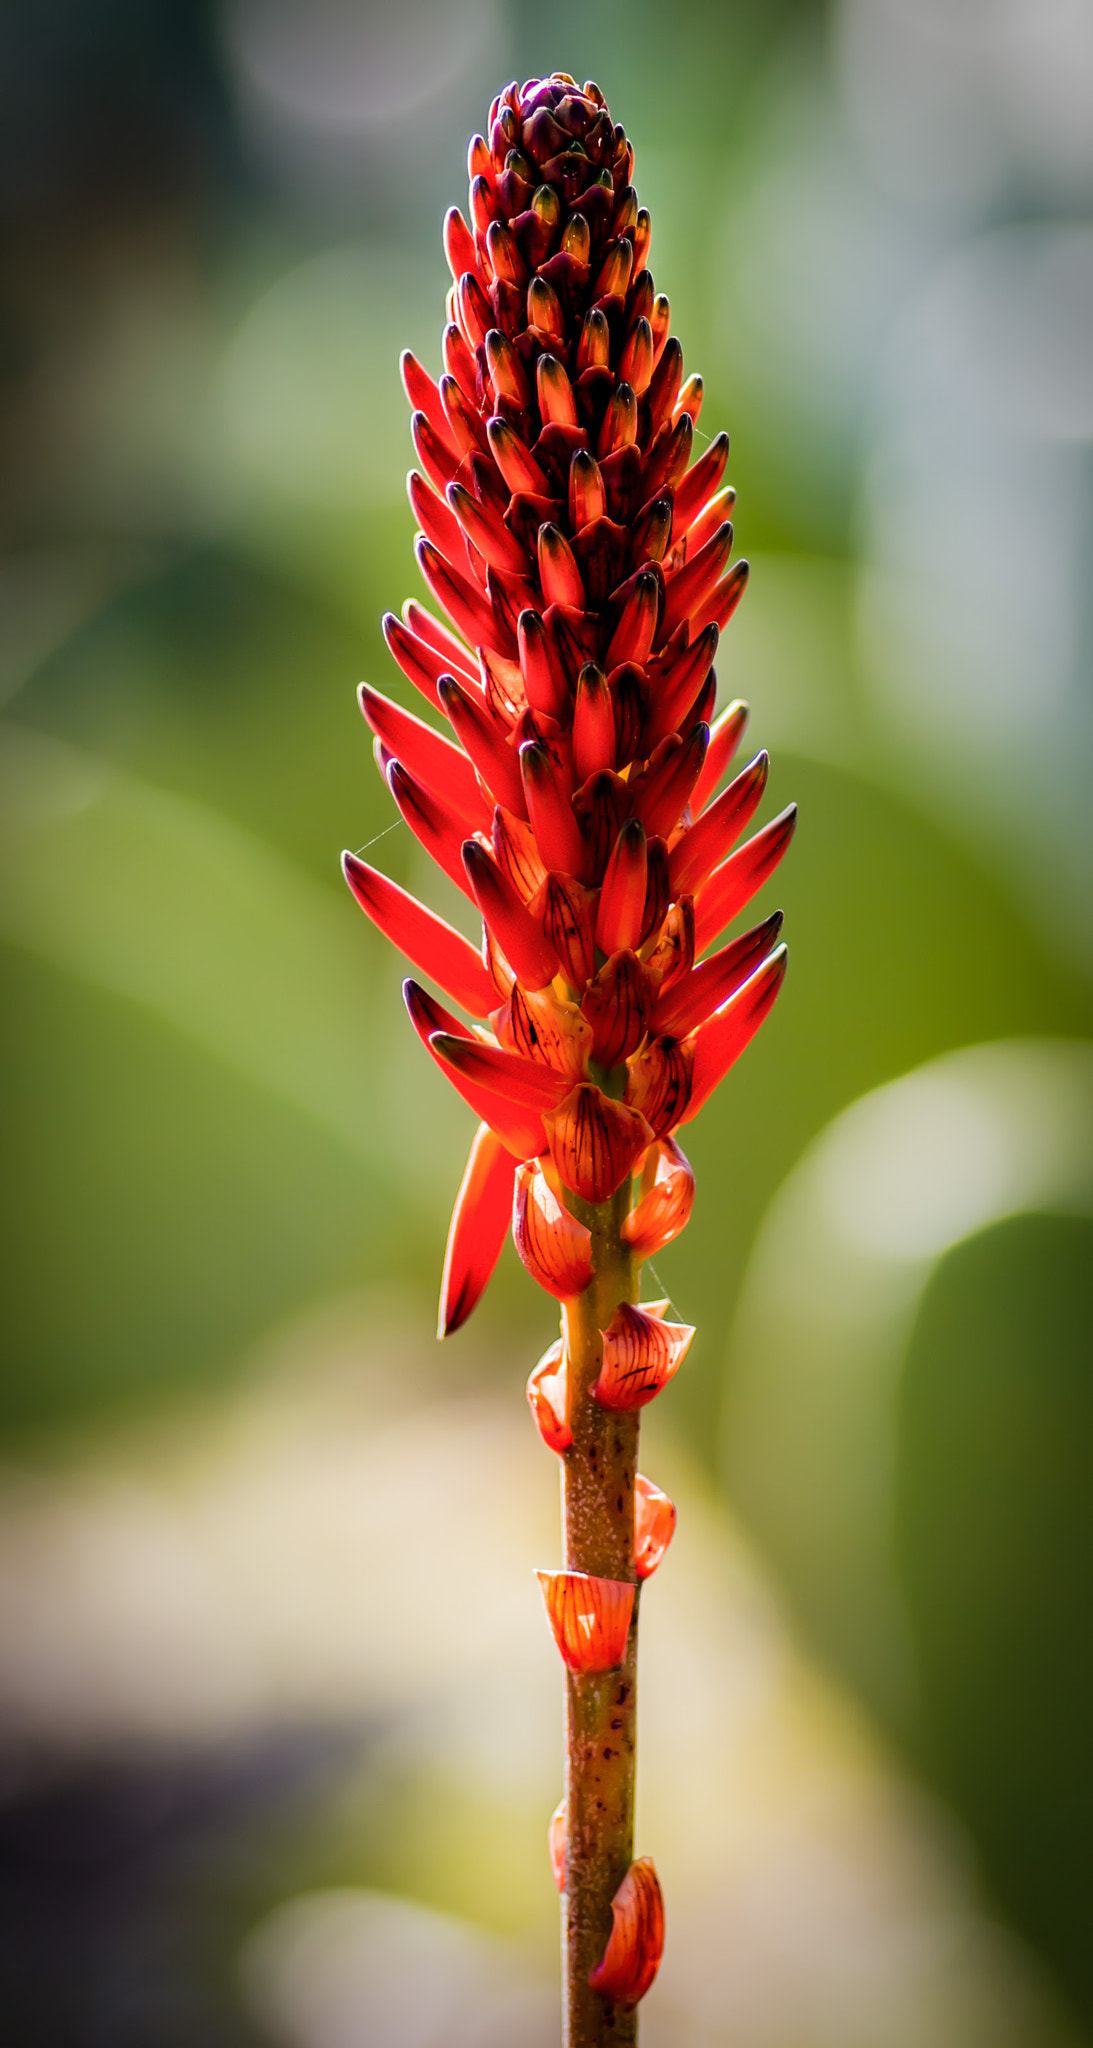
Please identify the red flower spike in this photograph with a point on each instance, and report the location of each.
(546, 1392)
(707, 842)
(666, 1198)
(726, 734)
(425, 752)
(520, 936)
(689, 1001)
(621, 914)
(720, 1041)
(589, 1617)
(636, 1942)
(434, 946)
(737, 880)
(654, 1525)
(556, 1844)
(480, 1221)
(595, 1141)
(554, 1247)
(641, 1353)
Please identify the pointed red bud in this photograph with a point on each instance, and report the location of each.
(664, 389)
(737, 880)
(525, 1082)
(545, 312)
(434, 451)
(439, 826)
(633, 636)
(720, 1042)
(726, 733)
(640, 1355)
(614, 274)
(654, 1525)
(723, 600)
(620, 422)
(436, 634)
(505, 258)
(690, 588)
(594, 343)
(556, 1844)
(707, 842)
(666, 1198)
(519, 469)
(636, 1943)
(674, 687)
(669, 779)
(473, 310)
(420, 663)
(437, 522)
(668, 456)
(425, 752)
(593, 724)
(550, 810)
(487, 533)
(519, 935)
(651, 533)
(424, 398)
(587, 494)
(543, 676)
(700, 483)
(535, 1023)
(460, 363)
(636, 362)
(660, 320)
(617, 1005)
(555, 393)
(520, 1130)
(558, 571)
(554, 1247)
(594, 1141)
(566, 909)
(710, 518)
(621, 913)
(467, 608)
(458, 244)
(486, 742)
(507, 373)
(480, 1221)
(590, 1618)
(690, 399)
(546, 1392)
(434, 946)
(689, 1001)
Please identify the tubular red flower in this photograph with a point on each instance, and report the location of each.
(641, 1353)
(590, 1618)
(692, 999)
(480, 1221)
(636, 1942)
(546, 1392)
(520, 936)
(710, 838)
(554, 1247)
(723, 1038)
(426, 753)
(738, 879)
(520, 1129)
(726, 733)
(654, 1525)
(666, 1198)
(621, 914)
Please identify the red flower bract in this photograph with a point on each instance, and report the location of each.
(583, 566)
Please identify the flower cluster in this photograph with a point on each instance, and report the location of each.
(582, 561)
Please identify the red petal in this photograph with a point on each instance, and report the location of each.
(640, 1355)
(425, 398)
(595, 1141)
(690, 1001)
(426, 753)
(722, 1040)
(590, 1618)
(700, 483)
(556, 829)
(525, 1083)
(485, 740)
(480, 1221)
(690, 588)
(636, 1943)
(667, 1195)
(546, 1394)
(654, 1525)
(722, 602)
(660, 1083)
(439, 826)
(725, 736)
(520, 1130)
(554, 1247)
(738, 879)
(674, 686)
(621, 912)
(520, 936)
(434, 946)
(710, 838)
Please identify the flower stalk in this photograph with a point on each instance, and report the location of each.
(582, 561)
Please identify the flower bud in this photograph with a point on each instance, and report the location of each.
(554, 1247)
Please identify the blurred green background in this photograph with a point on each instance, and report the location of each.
(278, 1718)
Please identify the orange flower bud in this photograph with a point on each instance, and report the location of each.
(546, 1392)
(554, 1247)
(636, 1942)
(666, 1200)
(654, 1525)
(590, 1618)
(640, 1355)
(594, 1141)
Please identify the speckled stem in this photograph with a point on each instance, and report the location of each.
(601, 1708)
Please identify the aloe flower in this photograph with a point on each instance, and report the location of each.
(581, 560)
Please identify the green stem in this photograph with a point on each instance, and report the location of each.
(601, 1708)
